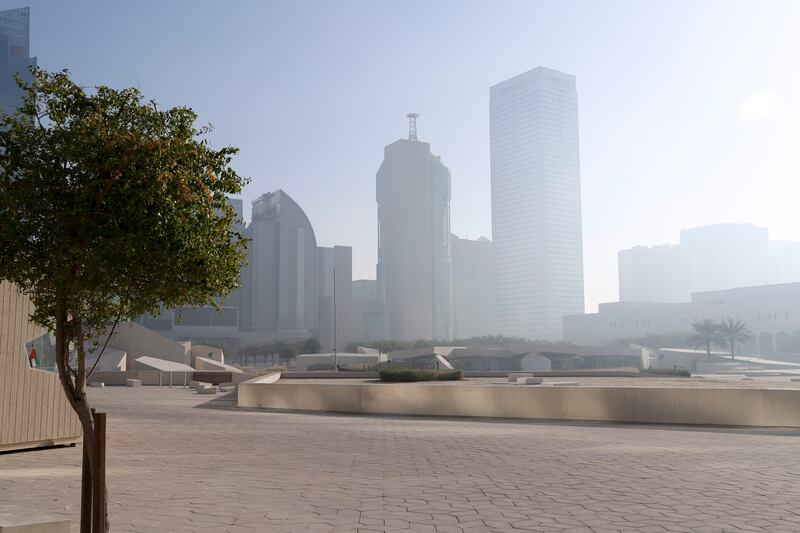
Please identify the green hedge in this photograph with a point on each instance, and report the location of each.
(403, 374)
(680, 372)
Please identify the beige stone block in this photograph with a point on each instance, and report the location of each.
(33, 525)
(133, 382)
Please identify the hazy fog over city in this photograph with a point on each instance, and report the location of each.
(419, 265)
(688, 111)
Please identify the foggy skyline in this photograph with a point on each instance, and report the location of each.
(688, 114)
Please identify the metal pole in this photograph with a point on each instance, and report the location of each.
(99, 489)
(335, 365)
(86, 491)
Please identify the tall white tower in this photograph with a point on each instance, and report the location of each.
(414, 243)
(536, 203)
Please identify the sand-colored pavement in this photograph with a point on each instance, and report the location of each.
(182, 462)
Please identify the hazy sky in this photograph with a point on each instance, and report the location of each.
(689, 111)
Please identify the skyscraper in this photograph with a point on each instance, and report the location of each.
(280, 282)
(536, 203)
(473, 287)
(414, 248)
(14, 52)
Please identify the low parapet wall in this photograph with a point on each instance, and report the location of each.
(694, 406)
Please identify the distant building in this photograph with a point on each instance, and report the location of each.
(473, 287)
(720, 256)
(280, 294)
(536, 203)
(414, 249)
(347, 320)
(14, 56)
(654, 274)
(365, 294)
(771, 313)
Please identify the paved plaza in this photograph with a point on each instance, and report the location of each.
(179, 462)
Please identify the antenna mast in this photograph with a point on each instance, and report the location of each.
(412, 126)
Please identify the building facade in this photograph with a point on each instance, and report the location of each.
(715, 257)
(340, 316)
(473, 288)
(14, 56)
(365, 294)
(414, 268)
(771, 313)
(536, 203)
(280, 282)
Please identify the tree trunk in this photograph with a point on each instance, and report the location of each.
(76, 396)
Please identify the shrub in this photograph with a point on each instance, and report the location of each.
(402, 374)
(680, 372)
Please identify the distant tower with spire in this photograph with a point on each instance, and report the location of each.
(414, 271)
(412, 126)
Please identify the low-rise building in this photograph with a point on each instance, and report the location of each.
(771, 313)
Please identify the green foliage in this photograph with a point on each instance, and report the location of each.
(403, 374)
(680, 372)
(734, 331)
(311, 345)
(111, 208)
(706, 333)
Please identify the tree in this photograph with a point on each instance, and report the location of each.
(706, 333)
(310, 345)
(110, 208)
(734, 331)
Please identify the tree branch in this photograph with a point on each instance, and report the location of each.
(102, 351)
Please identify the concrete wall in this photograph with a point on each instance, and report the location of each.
(210, 352)
(138, 340)
(703, 406)
(148, 377)
(33, 409)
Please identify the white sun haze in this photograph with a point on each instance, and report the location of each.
(759, 106)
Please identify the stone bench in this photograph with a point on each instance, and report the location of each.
(513, 377)
(197, 384)
(97, 384)
(207, 388)
(133, 382)
(529, 381)
(564, 384)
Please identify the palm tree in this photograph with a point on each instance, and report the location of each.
(705, 333)
(734, 331)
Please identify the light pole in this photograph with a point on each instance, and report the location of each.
(335, 365)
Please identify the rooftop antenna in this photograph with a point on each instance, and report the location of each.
(412, 126)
